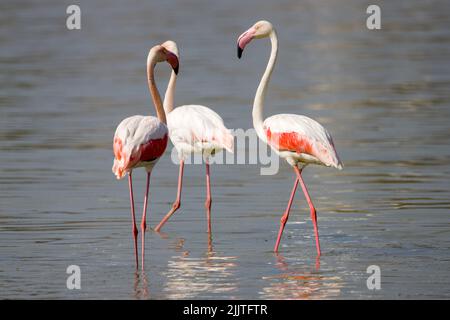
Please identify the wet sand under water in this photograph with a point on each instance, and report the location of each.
(382, 94)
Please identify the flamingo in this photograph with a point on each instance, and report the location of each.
(193, 129)
(139, 141)
(298, 139)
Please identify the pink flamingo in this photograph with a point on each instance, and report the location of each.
(140, 141)
(298, 139)
(193, 129)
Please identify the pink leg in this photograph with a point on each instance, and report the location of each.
(210, 244)
(208, 198)
(311, 208)
(177, 202)
(144, 220)
(285, 216)
(134, 229)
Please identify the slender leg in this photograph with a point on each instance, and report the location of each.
(177, 202)
(311, 208)
(134, 229)
(285, 216)
(317, 263)
(210, 243)
(144, 220)
(208, 198)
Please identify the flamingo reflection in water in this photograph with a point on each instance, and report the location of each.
(298, 282)
(200, 277)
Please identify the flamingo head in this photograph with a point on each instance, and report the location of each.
(259, 30)
(168, 52)
(172, 47)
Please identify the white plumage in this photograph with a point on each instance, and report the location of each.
(137, 130)
(195, 128)
(130, 139)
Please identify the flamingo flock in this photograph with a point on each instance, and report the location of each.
(140, 141)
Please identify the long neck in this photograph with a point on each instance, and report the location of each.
(170, 93)
(154, 90)
(258, 104)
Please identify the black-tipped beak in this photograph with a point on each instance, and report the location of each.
(239, 51)
(172, 59)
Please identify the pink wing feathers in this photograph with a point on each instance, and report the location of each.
(138, 139)
(303, 135)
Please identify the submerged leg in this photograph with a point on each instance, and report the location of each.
(144, 221)
(208, 198)
(134, 229)
(177, 202)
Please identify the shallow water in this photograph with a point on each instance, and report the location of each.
(384, 95)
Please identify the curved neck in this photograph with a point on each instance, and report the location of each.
(154, 90)
(170, 93)
(258, 104)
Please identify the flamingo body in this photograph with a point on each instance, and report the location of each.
(301, 140)
(198, 129)
(139, 141)
(298, 139)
